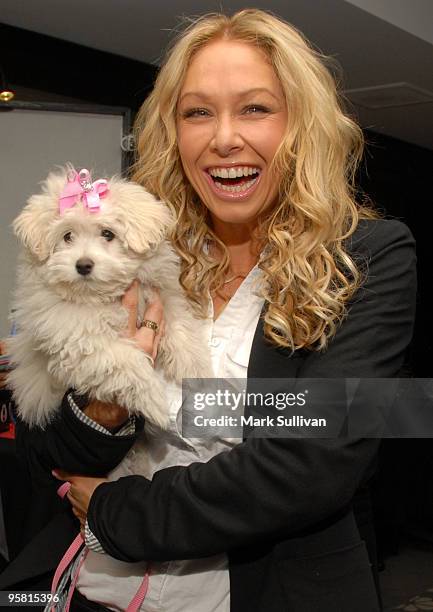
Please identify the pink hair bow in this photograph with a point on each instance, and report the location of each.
(80, 188)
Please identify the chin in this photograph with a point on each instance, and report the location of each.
(236, 213)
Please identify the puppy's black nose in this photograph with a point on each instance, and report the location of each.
(84, 266)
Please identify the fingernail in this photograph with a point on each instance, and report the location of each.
(63, 489)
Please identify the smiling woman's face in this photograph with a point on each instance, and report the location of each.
(232, 116)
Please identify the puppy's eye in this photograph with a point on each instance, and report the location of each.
(68, 237)
(108, 235)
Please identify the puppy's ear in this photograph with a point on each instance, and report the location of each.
(31, 225)
(147, 220)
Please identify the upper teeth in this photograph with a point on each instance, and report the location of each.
(234, 172)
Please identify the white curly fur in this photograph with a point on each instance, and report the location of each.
(71, 327)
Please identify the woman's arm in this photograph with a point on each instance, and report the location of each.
(267, 488)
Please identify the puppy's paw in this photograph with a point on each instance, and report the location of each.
(143, 393)
(185, 361)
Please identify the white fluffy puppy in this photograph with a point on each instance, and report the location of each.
(75, 267)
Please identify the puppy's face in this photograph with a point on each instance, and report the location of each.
(89, 256)
(86, 255)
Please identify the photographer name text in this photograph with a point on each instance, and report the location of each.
(251, 421)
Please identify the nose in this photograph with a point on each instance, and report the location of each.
(84, 266)
(226, 138)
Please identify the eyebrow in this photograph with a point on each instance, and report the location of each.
(241, 94)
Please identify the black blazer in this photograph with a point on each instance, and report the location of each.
(280, 508)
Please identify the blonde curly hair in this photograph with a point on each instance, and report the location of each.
(308, 277)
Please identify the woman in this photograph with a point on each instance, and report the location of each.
(244, 138)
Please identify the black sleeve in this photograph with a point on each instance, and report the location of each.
(267, 488)
(69, 444)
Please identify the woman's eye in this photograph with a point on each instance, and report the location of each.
(107, 234)
(68, 237)
(195, 112)
(256, 108)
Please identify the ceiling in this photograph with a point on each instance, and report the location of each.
(377, 44)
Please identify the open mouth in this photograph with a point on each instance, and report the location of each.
(239, 179)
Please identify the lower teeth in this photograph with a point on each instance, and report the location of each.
(236, 188)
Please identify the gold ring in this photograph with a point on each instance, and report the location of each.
(150, 325)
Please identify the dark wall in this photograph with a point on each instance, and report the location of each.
(52, 66)
(397, 177)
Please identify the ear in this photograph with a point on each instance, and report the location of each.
(31, 225)
(146, 219)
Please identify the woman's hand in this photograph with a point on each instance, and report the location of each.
(146, 338)
(82, 488)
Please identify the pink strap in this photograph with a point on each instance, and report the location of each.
(74, 581)
(64, 563)
(68, 556)
(136, 601)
